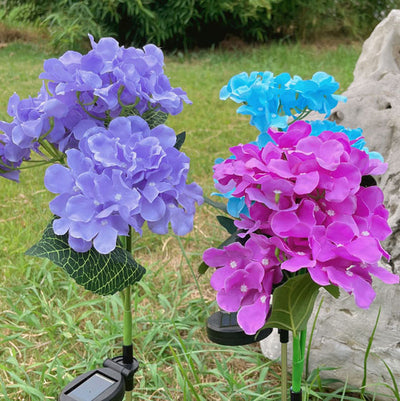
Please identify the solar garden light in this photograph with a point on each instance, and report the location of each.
(223, 328)
(109, 383)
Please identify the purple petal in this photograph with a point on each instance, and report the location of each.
(105, 240)
(181, 221)
(79, 208)
(58, 179)
(152, 211)
(61, 226)
(78, 244)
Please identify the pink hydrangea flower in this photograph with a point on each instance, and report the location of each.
(306, 203)
(244, 278)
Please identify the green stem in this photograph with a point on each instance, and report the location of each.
(127, 340)
(299, 346)
(85, 110)
(126, 297)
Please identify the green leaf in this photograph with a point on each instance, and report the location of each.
(292, 304)
(101, 274)
(180, 140)
(154, 118)
(333, 290)
(217, 205)
(227, 223)
(203, 268)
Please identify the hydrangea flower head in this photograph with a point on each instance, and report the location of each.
(244, 278)
(304, 195)
(270, 100)
(122, 176)
(91, 113)
(84, 91)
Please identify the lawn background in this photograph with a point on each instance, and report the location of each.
(52, 330)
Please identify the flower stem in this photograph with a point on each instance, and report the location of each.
(299, 346)
(127, 334)
(127, 339)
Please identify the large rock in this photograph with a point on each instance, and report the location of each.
(342, 331)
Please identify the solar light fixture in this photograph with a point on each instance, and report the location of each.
(108, 383)
(223, 328)
(97, 385)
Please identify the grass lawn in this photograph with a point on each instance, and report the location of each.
(52, 330)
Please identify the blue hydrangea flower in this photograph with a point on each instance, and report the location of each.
(270, 100)
(319, 92)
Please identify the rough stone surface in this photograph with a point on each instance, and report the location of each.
(342, 331)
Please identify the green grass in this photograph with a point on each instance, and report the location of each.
(52, 330)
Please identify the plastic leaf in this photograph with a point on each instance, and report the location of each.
(180, 139)
(227, 223)
(99, 273)
(293, 303)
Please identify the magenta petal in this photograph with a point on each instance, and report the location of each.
(380, 228)
(251, 318)
(329, 154)
(296, 131)
(366, 249)
(280, 167)
(376, 167)
(363, 293)
(230, 300)
(306, 182)
(340, 278)
(384, 275)
(255, 275)
(219, 277)
(232, 255)
(339, 233)
(297, 262)
(282, 222)
(235, 280)
(214, 257)
(318, 275)
(339, 191)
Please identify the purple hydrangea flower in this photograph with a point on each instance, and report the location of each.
(85, 91)
(122, 176)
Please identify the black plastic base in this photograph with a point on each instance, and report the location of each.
(222, 328)
(126, 370)
(295, 396)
